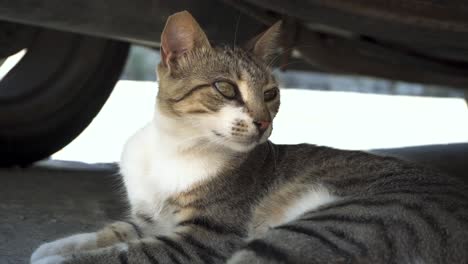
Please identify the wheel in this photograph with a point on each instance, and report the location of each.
(54, 91)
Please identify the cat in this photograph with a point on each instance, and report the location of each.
(206, 186)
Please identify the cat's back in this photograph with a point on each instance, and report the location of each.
(419, 212)
(348, 169)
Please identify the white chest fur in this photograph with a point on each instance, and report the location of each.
(153, 168)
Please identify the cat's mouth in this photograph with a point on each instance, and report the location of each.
(216, 133)
(246, 141)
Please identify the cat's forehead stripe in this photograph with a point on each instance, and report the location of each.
(246, 93)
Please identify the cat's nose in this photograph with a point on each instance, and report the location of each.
(262, 125)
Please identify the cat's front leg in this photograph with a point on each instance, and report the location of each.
(112, 234)
(175, 249)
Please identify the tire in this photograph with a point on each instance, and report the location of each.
(54, 92)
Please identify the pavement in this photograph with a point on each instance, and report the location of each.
(53, 199)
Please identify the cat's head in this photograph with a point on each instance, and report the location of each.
(218, 95)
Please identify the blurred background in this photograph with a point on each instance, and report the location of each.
(394, 77)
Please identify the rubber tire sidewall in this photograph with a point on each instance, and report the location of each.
(63, 81)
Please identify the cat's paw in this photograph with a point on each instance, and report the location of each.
(50, 260)
(54, 250)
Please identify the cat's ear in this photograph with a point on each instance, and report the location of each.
(267, 43)
(180, 35)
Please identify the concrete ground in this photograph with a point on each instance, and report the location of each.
(55, 199)
(47, 201)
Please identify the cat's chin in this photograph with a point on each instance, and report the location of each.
(241, 146)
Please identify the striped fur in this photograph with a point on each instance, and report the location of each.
(200, 196)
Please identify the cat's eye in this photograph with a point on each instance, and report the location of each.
(270, 94)
(226, 89)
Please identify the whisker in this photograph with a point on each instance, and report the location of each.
(237, 28)
(293, 62)
(274, 59)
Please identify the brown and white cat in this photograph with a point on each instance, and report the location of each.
(206, 186)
